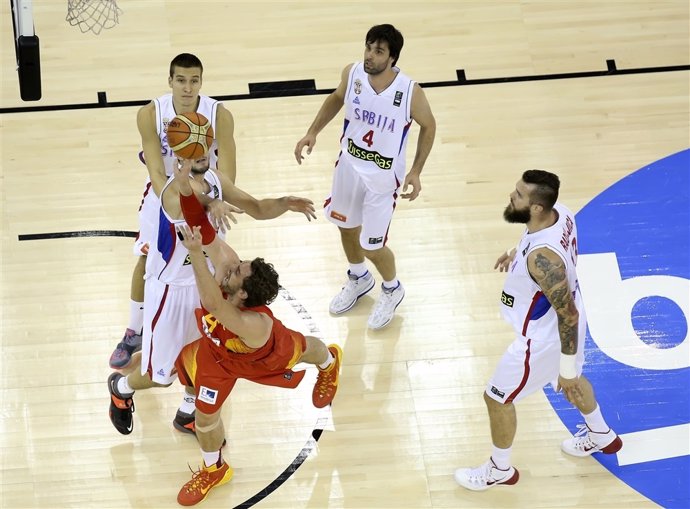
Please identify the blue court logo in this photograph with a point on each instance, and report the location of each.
(634, 273)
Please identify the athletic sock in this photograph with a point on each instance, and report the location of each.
(501, 457)
(595, 421)
(136, 316)
(328, 362)
(392, 284)
(124, 388)
(188, 403)
(211, 458)
(358, 269)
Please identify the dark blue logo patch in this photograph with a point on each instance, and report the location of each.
(634, 273)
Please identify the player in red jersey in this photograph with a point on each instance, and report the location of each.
(240, 339)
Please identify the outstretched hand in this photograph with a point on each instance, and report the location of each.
(191, 238)
(303, 205)
(308, 141)
(221, 213)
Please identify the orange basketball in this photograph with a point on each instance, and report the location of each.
(190, 135)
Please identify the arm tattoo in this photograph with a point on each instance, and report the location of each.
(552, 279)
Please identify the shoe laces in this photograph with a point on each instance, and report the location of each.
(385, 301)
(200, 480)
(481, 474)
(324, 382)
(129, 340)
(582, 438)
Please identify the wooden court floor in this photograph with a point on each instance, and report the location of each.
(409, 409)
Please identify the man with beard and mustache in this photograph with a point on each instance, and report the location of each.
(541, 299)
(380, 104)
(171, 295)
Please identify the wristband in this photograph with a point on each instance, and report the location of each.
(195, 215)
(568, 367)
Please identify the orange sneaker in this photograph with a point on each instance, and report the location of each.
(202, 481)
(327, 381)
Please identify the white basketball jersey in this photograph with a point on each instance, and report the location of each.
(376, 128)
(165, 112)
(523, 304)
(168, 259)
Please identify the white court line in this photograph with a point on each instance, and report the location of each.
(655, 444)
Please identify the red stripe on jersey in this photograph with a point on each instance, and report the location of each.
(535, 299)
(525, 375)
(146, 191)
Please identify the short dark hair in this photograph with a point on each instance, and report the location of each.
(389, 34)
(186, 61)
(262, 285)
(547, 185)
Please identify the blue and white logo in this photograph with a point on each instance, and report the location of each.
(634, 273)
(208, 395)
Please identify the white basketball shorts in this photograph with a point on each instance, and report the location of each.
(352, 204)
(169, 325)
(526, 367)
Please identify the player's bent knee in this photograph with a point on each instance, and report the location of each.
(207, 428)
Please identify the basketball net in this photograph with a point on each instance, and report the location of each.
(93, 15)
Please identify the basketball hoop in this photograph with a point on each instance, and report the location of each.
(93, 15)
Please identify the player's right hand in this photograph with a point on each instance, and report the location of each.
(572, 389)
(191, 238)
(308, 141)
(504, 261)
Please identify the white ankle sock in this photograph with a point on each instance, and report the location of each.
(136, 316)
(356, 269)
(123, 387)
(211, 458)
(328, 362)
(188, 403)
(595, 421)
(392, 284)
(501, 457)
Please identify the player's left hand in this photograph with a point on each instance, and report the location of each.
(411, 179)
(571, 389)
(221, 213)
(303, 205)
(191, 238)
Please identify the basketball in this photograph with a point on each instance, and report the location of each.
(190, 135)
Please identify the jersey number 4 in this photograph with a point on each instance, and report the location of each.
(368, 138)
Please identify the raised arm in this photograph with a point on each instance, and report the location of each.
(151, 144)
(267, 208)
(221, 255)
(329, 109)
(254, 328)
(225, 136)
(421, 113)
